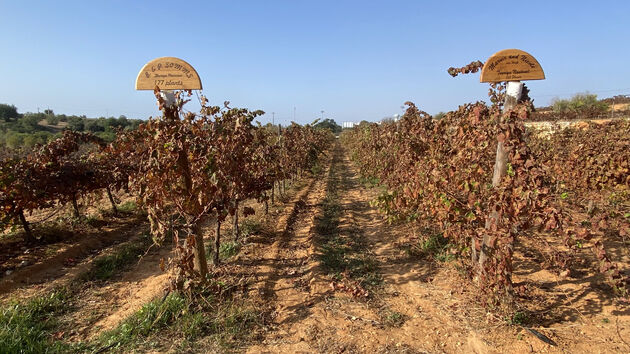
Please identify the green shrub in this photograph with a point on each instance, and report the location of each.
(581, 102)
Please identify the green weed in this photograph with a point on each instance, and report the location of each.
(152, 317)
(316, 169)
(229, 249)
(392, 318)
(224, 322)
(127, 207)
(250, 227)
(105, 267)
(518, 318)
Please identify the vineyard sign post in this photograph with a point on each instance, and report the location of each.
(511, 66)
(166, 75)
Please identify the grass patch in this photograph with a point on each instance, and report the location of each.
(224, 322)
(28, 327)
(435, 246)
(250, 227)
(229, 249)
(104, 268)
(369, 182)
(231, 325)
(152, 317)
(127, 207)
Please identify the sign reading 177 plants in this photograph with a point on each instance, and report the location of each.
(168, 73)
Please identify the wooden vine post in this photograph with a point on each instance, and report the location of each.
(168, 74)
(511, 66)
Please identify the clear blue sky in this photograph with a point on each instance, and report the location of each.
(353, 59)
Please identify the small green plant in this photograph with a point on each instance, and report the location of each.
(369, 181)
(92, 220)
(229, 249)
(392, 318)
(510, 170)
(518, 318)
(127, 207)
(104, 268)
(250, 227)
(437, 245)
(316, 169)
(445, 257)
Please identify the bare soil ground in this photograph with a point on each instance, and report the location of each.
(37, 267)
(421, 305)
(383, 299)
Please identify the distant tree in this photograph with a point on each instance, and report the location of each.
(52, 119)
(329, 124)
(94, 126)
(63, 118)
(30, 140)
(123, 122)
(14, 140)
(49, 112)
(439, 115)
(43, 137)
(134, 124)
(107, 136)
(8, 113)
(110, 123)
(29, 123)
(76, 123)
(387, 120)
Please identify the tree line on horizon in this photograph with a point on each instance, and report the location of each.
(25, 130)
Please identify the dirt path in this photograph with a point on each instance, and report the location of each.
(68, 261)
(418, 306)
(312, 317)
(119, 299)
(291, 280)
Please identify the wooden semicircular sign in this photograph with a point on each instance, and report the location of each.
(168, 73)
(511, 65)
